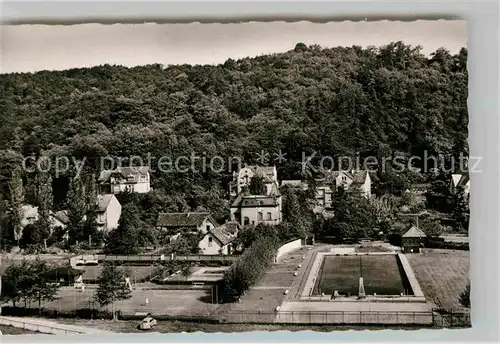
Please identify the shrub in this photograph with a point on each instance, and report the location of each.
(249, 268)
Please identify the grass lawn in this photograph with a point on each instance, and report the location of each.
(381, 275)
(137, 273)
(170, 302)
(177, 326)
(11, 330)
(442, 275)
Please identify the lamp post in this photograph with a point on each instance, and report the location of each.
(415, 214)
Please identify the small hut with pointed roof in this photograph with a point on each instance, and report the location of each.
(413, 240)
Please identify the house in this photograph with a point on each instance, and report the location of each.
(413, 240)
(122, 179)
(195, 222)
(219, 240)
(108, 212)
(460, 181)
(30, 215)
(248, 209)
(348, 179)
(242, 179)
(256, 209)
(328, 183)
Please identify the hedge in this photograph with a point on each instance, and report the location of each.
(249, 268)
(433, 243)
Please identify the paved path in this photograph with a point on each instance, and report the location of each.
(303, 272)
(49, 326)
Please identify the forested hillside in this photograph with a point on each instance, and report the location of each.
(339, 101)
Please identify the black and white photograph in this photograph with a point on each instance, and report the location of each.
(234, 177)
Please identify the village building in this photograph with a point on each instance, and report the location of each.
(108, 212)
(348, 179)
(30, 215)
(175, 224)
(413, 240)
(220, 239)
(460, 182)
(248, 209)
(328, 183)
(242, 178)
(125, 179)
(256, 209)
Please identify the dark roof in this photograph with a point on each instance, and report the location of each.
(183, 219)
(226, 233)
(357, 176)
(266, 172)
(62, 215)
(255, 201)
(125, 172)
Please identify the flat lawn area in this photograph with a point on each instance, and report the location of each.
(137, 273)
(442, 275)
(381, 275)
(163, 302)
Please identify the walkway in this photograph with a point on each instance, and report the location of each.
(48, 326)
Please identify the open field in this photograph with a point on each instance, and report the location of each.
(136, 273)
(381, 275)
(177, 326)
(442, 275)
(164, 302)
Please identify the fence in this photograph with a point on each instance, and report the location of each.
(426, 318)
(37, 327)
(154, 258)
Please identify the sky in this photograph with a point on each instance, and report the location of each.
(30, 48)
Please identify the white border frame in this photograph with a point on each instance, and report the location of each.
(483, 28)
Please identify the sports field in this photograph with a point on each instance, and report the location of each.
(381, 275)
(160, 302)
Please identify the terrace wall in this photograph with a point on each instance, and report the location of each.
(411, 276)
(287, 248)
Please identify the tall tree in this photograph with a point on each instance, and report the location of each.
(91, 204)
(112, 286)
(77, 209)
(257, 186)
(45, 200)
(124, 239)
(461, 212)
(16, 193)
(42, 288)
(465, 297)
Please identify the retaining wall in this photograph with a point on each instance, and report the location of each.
(287, 248)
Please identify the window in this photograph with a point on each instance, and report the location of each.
(210, 240)
(260, 216)
(246, 221)
(208, 228)
(344, 178)
(269, 216)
